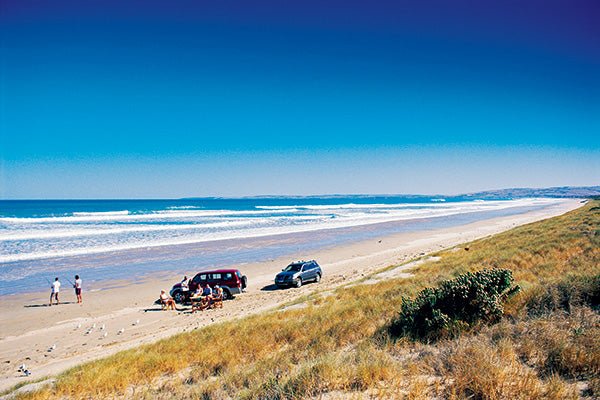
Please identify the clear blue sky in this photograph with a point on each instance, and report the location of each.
(197, 98)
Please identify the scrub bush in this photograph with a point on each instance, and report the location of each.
(457, 304)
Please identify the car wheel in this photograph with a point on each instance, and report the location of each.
(318, 278)
(226, 294)
(179, 297)
(299, 282)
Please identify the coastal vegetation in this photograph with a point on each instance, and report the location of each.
(462, 302)
(355, 341)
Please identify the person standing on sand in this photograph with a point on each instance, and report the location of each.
(77, 286)
(55, 287)
(185, 284)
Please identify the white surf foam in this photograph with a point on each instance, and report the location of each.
(100, 213)
(99, 230)
(251, 227)
(166, 214)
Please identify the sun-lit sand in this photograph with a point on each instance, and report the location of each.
(30, 328)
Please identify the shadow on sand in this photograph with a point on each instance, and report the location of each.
(180, 309)
(270, 288)
(46, 304)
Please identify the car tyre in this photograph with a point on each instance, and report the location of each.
(179, 297)
(226, 294)
(298, 282)
(318, 278)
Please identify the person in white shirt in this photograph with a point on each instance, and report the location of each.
(55, 287)
(167, 301)
(77, 286)
(185, 284)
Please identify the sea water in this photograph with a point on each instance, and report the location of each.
(115, 239)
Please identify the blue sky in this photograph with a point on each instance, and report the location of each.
(101, 99)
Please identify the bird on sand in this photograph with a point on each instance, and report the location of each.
(24, 370)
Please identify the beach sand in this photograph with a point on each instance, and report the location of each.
(30, 327)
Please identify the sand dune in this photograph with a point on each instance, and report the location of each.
(31, 328)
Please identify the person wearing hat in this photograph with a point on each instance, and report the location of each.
(218, 291)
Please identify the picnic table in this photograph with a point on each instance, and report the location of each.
(200, 303)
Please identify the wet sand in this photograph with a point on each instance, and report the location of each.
(30, 327)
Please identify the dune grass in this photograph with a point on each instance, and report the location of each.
(338, 345)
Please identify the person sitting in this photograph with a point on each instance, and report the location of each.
(166, 301)
(217, 298)
(198, 291)
(197, 295)
(207, 292)
(198, 301)
(218, 292)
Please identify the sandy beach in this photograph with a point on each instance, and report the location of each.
(31, 328)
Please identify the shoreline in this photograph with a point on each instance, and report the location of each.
(31, 327)
(100, 269)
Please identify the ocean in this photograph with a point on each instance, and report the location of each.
(127, 239)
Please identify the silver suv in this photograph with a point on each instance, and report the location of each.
(298, 273)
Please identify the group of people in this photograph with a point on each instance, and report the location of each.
(55, 290)
(207, 292)
(202, 292)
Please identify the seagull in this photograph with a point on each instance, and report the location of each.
(89, 331)
(105, 334)
(78, 325)
(137, 321)
(94, 325)
(24, 370)
(102, 327)
(121, 330)
(53, 347)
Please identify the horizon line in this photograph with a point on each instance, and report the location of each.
(334, 195)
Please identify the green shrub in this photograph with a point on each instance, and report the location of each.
(457, 304)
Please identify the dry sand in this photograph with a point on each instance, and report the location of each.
(30, 327)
